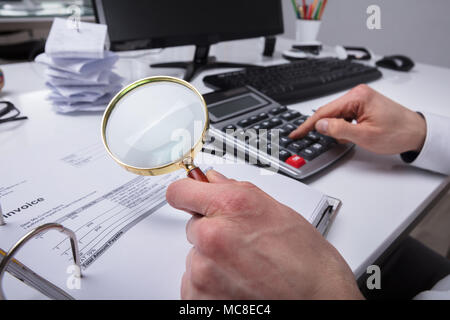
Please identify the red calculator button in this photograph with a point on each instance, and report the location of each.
(296, 161)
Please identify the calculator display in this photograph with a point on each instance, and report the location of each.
(237, 105)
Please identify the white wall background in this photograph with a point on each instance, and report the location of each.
(419, 29)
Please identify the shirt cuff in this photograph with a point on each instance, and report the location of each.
(435, 154)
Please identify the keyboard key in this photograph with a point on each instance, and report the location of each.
(296, 161)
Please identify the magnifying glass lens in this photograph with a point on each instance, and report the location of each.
(155, 124)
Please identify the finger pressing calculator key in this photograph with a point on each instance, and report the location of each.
(258, 127)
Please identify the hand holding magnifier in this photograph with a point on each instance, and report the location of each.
(155, 126)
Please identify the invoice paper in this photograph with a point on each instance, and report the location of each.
(132, 244)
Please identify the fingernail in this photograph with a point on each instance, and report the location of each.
(322, 126)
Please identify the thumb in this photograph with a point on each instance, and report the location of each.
(338, 129)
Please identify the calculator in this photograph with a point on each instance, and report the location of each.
(249, 125)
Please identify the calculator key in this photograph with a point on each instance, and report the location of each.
(265, 125)
(295, 113)
(300, 121)
(244, 123)
(314, 136)
(275, 122)
(289, 115)
(242, 135)
(263, 116)
(284, 141)
(278, 132)
(275, 111)
(296, 161)
(289, 127)
(319, 148)
(283, 155)
(253, 119)
(282, 132)
(257, 127)
(298, 145)
(263, 133)
(307, 141)
(326, 140)
(229, 127)
(308, 154)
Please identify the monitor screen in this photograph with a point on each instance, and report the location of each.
(140, 24)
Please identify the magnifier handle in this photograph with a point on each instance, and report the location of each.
(197, 174)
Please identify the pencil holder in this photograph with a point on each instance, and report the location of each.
(306, 31)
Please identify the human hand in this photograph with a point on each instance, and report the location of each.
(383, 126)
(246, 245)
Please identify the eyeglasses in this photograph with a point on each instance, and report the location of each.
(8, 112)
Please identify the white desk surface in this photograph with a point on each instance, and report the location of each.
(379, 193)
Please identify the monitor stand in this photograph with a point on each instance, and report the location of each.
(201, 62)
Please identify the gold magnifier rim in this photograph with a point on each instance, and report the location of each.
(170, 167)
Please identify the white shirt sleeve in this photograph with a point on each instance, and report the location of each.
(435, 154)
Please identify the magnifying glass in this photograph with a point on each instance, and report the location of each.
(156, 126)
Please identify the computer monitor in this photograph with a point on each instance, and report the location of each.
(144, 24)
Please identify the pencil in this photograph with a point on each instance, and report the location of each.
(319, 7)
(294, 4)
(305, 9)
(322, 9)
(302, 14)
(312, 8)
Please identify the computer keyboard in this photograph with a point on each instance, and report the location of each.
(299, 80)
(255, 128)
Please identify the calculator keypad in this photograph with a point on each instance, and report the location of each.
(277, 124)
